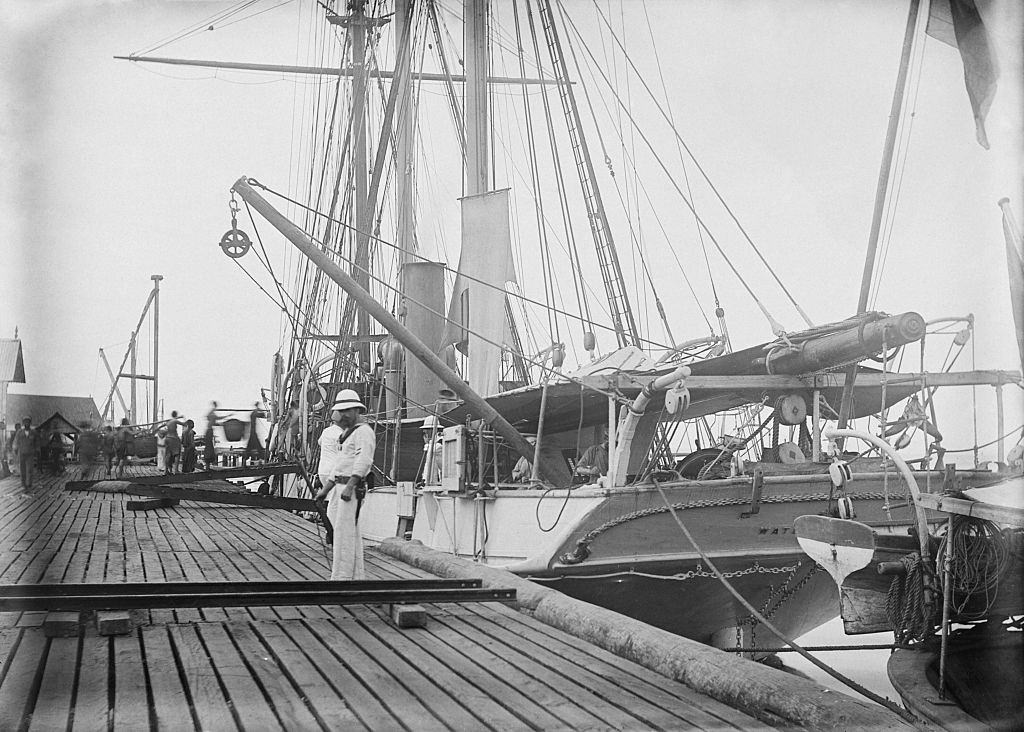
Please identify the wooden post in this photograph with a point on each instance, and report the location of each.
(816, 426)
(613, 447)
(133, 417)
(156, 342)
(1000, 455)
(947, 596)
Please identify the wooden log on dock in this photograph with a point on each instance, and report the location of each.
(775, 697)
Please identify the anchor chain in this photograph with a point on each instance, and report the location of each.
(774, 602)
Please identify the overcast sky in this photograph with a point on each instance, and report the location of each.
(117, 171)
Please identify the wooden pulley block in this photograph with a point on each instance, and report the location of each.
(790, 454)
(677, 400)
(791, 409)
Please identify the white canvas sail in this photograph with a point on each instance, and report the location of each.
(476, 315)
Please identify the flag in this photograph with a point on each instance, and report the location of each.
(958, 23)
(1015, 267)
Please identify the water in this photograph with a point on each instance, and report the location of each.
(865, 667)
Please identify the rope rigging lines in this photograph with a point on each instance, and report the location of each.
(775, 326)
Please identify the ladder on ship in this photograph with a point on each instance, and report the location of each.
(611, 273)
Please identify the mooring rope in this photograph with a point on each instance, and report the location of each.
(903, 713)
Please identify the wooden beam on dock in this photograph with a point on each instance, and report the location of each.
(251, 471)
(232, 498)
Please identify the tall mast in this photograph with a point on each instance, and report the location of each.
(403, 132)
(881, 191)
(156, 342)
(475, 39)
(357, 23)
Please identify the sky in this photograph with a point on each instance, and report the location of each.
(118, 171)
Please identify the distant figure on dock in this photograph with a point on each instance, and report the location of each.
(347, 465)
(88, 447)
(254, 448)
(161, 449)
(109, 449)
(188, 447)
(53, 459)
(594, 461)
(209, 451)
(124, 446)
(5, 469)
(172, 444)
(25, 445)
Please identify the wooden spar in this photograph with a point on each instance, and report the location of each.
(131, 345)
(881, 191)
(156, 341)
(414, 345)
(113, 380)
(849, 345)
(890, 143)
(326, 71)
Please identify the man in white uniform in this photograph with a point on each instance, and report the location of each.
(345, 464)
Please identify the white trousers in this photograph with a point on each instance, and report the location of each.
(347, 562)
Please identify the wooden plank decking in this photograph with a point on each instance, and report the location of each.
(475, 666)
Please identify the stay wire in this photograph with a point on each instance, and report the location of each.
(624, 201)
(388, 286)
(536, 183)
(683, 166)
(650, 343)
(757, 301)
(689, 152)
(643, 187)
(902, 155)
(198, 27)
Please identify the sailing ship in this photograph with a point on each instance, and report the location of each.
(728, 439)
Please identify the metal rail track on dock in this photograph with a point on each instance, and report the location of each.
(147, 595)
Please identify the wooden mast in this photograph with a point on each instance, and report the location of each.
(881, 191)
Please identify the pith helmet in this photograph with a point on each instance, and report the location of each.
(429, 422)
(347, 399)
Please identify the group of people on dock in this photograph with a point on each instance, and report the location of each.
(44, 452)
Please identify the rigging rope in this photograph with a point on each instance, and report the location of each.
(902, 154)
(686, 180)
(689, 152)
(776, 327)
(903, 713)
(624, 201)
(444, 317)
(979, 554)
(523, 298)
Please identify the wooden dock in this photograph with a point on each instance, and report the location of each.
(475, 665)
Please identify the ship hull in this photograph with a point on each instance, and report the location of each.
(685, 598)
(621, 548)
